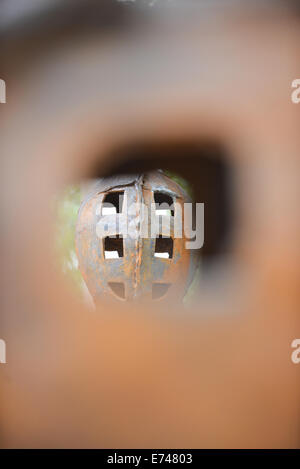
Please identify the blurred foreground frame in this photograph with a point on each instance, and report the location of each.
(85, 79)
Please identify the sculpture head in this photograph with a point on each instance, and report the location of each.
(131, 241)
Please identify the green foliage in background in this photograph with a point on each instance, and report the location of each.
(67, 207)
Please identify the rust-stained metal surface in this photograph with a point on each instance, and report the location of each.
(138, 273)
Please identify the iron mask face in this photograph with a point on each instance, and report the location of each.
(130, 240)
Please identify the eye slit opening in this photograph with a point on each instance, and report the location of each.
(118, 289)
(113, 203)
(163, 247)
(159, 290)
(113, 247)
(163, 203)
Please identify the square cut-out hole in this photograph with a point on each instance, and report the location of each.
(118, 289)
(113, 203)
(163, 204)
(159, 290)
(163, 247)
(113, 247)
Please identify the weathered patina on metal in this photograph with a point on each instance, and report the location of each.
(144, 264)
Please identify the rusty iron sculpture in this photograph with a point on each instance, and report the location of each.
(125, 239)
